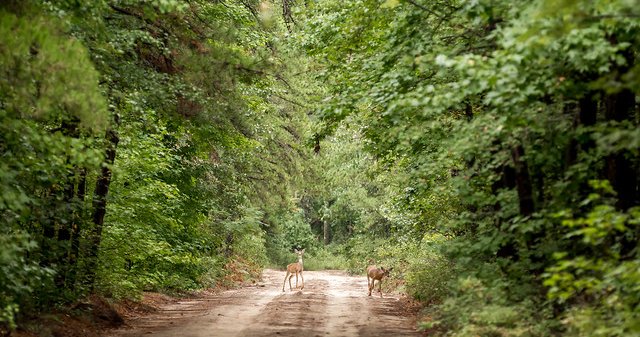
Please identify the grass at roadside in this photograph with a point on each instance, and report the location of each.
(324, 259)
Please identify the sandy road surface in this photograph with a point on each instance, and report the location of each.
(331, 304)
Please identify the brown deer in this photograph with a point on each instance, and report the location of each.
(374, 273)
(294, 268)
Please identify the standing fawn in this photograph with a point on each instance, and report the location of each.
(373, 274)
(294, 268)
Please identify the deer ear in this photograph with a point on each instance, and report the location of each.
(302, 251)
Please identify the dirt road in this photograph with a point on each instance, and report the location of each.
(331, 304)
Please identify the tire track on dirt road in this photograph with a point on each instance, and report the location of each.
(331, 304)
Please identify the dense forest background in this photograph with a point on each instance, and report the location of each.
(488, 150)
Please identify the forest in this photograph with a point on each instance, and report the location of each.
(487, 150)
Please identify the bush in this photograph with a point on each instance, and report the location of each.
(325, 258)
(416, 265)
(429, 272)
(602, 287)
(362, 251)
(19, 278)
(294, 233)
(476, 308)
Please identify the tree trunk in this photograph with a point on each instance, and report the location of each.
(508, 249)
(75, 230)
(571, 152)
(228, 247)
(100, 206)
(620, 170)
(588, 109)
(621, 166)
(325, 230)
(523, 181)
(69, 129)
(468, 111)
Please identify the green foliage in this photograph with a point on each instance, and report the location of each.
(49, 94)
(477, 308)
(365, 250)
(148, 247)
(485, 121)
(294, 233)
(429, 272)
(607, 281)
(38, 78)
(458, 142)
(326, 258)
(418, 267)
(207, 133)
(19, 277)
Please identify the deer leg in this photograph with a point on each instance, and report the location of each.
(291, 276)
(285, 280)
(373, 283)
(368, 282)
(380, 287)
(296, 280)
(302, 277)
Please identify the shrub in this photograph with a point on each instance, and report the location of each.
(428, 273)
(19, 278)
(325, 258)
(479, 307)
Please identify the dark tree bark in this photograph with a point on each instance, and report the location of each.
(75, 231)
(571, 153)
(468, 111)
(509, 249)
(286, 13)
(228, 247)
(588, 109)
(506, 174)
(69, 129)
(523, 181)
(325, 232)
(620, 168)
(49, 230)
(57, 227)
(316, 147)
(585, 116)
(100, 206)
